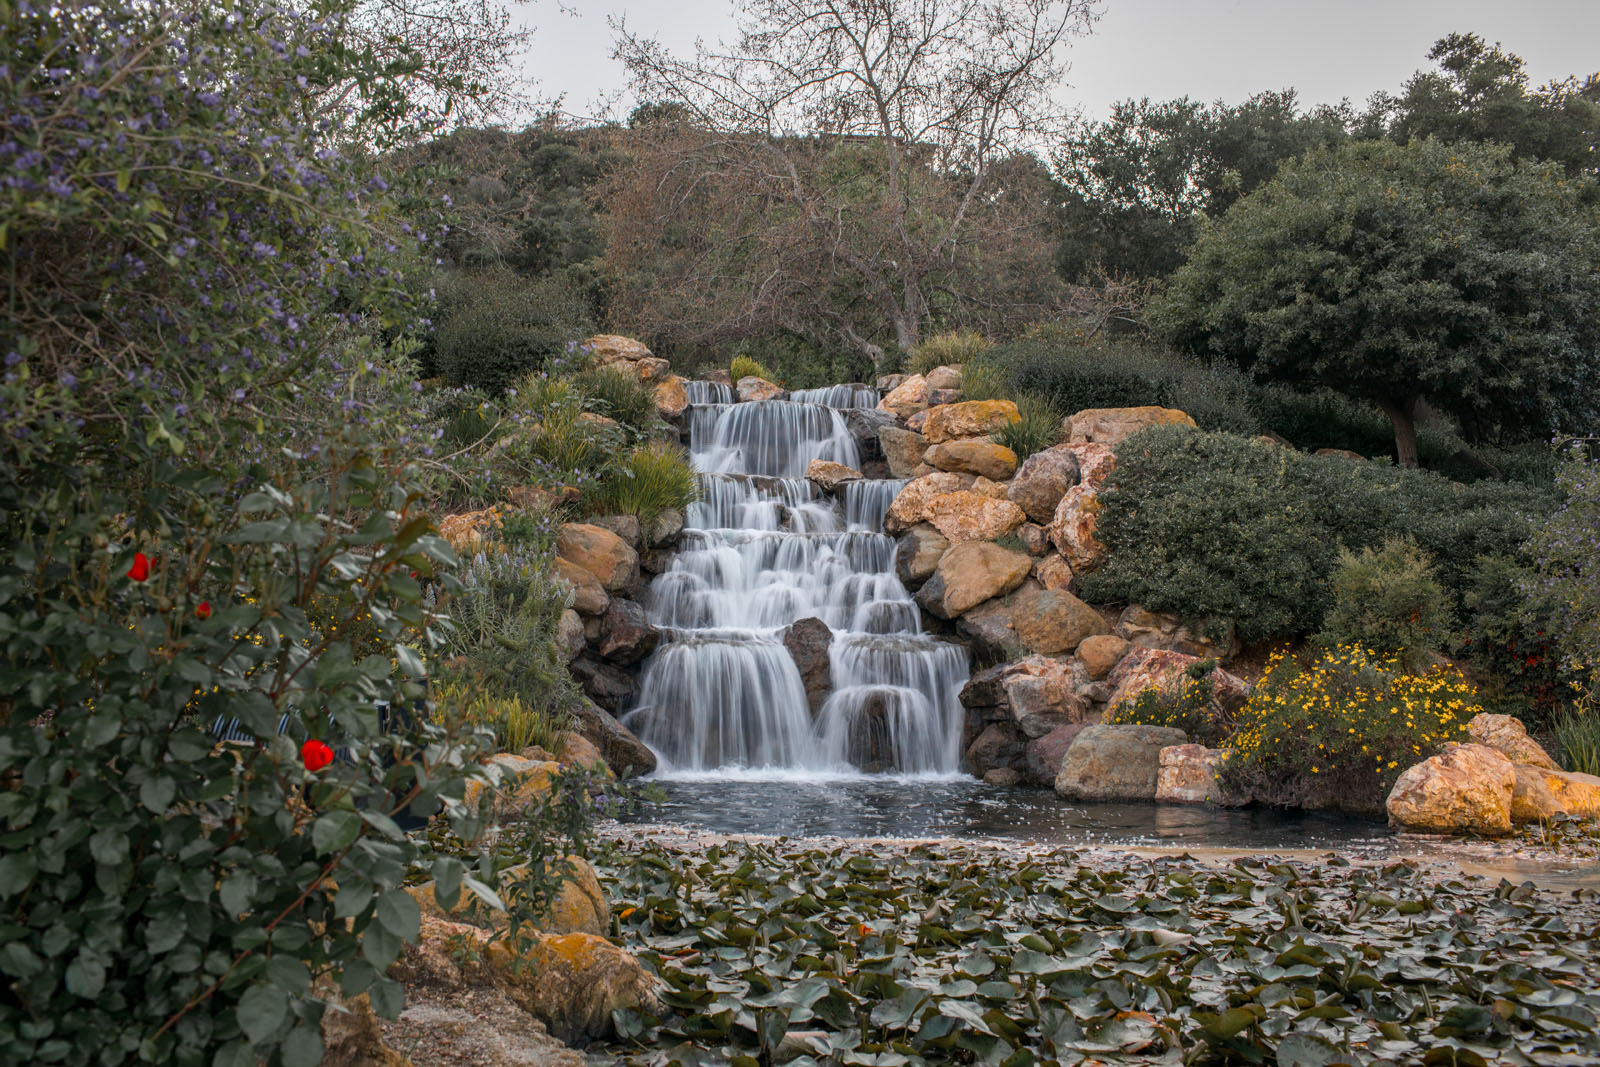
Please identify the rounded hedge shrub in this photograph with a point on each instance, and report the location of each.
(495, 326)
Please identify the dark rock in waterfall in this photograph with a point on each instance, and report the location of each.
(624, 753)
(871, 745)
(607, 686)
(807, 641)
(999, 745)
(864, 424)
(626, 635)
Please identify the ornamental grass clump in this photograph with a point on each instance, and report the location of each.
(1336, 732)
(952, 348)
(745, 367)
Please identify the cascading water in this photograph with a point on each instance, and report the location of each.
(763, 548)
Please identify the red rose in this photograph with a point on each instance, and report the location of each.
(202, 610)
(315, 755)
(141, 567)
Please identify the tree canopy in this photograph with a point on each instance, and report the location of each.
(1398, 273)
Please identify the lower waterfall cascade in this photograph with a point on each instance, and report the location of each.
(764, 548)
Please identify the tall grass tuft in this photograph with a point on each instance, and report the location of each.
(1577, 733)
(955, 347)
(620, 396)
(516, 725)
(645, 482)
(1038, 429)
(983, 380)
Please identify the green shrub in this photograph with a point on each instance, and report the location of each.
(1577, 734)
(1389, 602)
(516, 725)
(620, 396)
(1072, 375)
(1566, 563)
(1193, 708)
(553, 442)
(464, 417)
(1338, 731)
(1038, 429)
(495, 326)
(745, 367)
(645, 483)
(956, 347)
(800, 362)
(1510, 636)
(1211, 524)
(983, 380)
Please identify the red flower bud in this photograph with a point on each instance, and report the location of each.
(315, 755)
(202, 610)
(141, 567)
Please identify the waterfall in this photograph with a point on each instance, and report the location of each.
(762, 548)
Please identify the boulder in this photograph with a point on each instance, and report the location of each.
(902, 449)
(513, 782)
(589, 597)
(470, 531)
(1033, 538)
(624, 526)
(538, 498)
(1149, 629)
(1041, 759)
(907, 398)
(752, 389)
(970, 418)
(989, 488)
(917, 554)
(611, 688)
(570, 637)
(626, 635)
(987, 630)
(1157, 668)
(609, 348)
(1051, 621)
(870, 742)
(1115, 762)
(974, 571)
(865, 424)
(572, 982)
(888, 383)
(1540, 793)
(1110, 426)
(1038, 694)
(1053, 572)
(997, 746)
(672, 398)
(578, 751)
(910, 505)
(624, 753)
(665, 528)
(945, 377)
(353, 1037)
(973, 457)
(967, 516)
(1003, 776)
(1465, 789)
(1042, 480)
(600, 552)
(1507, 734)
(1072, 529)
(940, 397)
(915, 422)
(829, 476)
(578, 906)
(1188, 775)
(1100, 653)
(807, 641)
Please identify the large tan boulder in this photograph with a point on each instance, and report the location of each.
(967, 516)
(918, 552)
(1541, 793)
(1101, 653)
(1110, 426)
(609, 348)
(600, 552)
(671, 396)
(910, 505)
(1038, 693)
(1077, 516)
(975, 571)
(471, 531)
(1167, 671)
(1042, 480)
(514, 782)
(1115, 762)
(945, 377)
(907, 398)
(1150, 629)
(1050, 621)
(970, 418)
(1465, 789)
(1053, 572)
(902, 449)
(751, 390)
(976, 456)
(1189, 775)
(829, 476)
(1507, 734)
(589, 597)
(573, 982)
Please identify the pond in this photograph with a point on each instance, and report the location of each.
(958, 806)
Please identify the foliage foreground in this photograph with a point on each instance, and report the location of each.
(877, 954)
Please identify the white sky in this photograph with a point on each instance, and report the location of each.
(1206, 49)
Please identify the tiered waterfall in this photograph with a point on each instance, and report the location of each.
(762, 549)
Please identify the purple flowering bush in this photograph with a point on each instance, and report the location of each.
(216, 502)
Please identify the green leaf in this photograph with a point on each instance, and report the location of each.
(236, 891)
(388, 998)
(156, 793)
(86, 976)
(261, 1012)
(302, 1047)
(17, 870)
(335, 831)
(399, 914)
(288, 974)
(1308, 1050)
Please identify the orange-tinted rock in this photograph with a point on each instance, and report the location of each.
(1465, 789)
(1050, 621)
(945, 377)
(471, 530)
(513, 781)
(572, 982)
(966, 516)
(1110, 426)
(910, 506)
(1188, 775)
(1164, 670)
(1053, 572)
(672, 399)
(970, 418)
(1042, 480)
(1034, 538)
(975, 456)
(829, 476)
(753, 390)
(975, 571)
(609, 348)
(907, 398)
(1506, 733)
(600, 552)
(902, 449)
(589, 596)
(1101, 653)
(1541, 793)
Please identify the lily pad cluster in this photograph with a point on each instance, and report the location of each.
(890, 954)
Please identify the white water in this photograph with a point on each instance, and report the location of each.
(763, 548)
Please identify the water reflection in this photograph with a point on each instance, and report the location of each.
(896, 807)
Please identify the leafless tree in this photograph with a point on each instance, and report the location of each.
(867, 132)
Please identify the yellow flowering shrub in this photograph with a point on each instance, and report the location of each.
(1337, 731)
(1192, 707)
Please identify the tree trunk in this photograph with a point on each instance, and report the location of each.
(1403, 414)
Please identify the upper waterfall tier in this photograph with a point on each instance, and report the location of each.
(762, 549)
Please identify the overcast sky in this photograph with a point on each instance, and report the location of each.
(1207, 49)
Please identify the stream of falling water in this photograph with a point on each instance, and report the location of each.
(763, 548)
